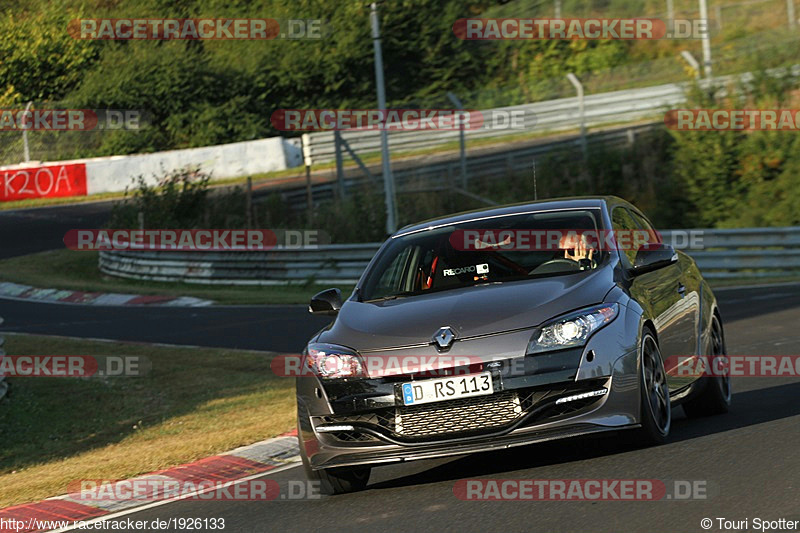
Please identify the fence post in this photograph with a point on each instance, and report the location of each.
(337, 144)
(462, 145)
(25, 134)
(249, 203)
(306, 141)
(579, 88)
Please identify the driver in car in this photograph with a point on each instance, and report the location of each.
(577, 248)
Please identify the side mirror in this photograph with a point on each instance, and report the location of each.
(654, 256)
(327, 302)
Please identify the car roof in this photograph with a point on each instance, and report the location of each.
(571, 202)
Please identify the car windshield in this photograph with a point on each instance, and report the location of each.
(489, 250)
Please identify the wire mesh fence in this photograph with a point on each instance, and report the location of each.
(749, 35)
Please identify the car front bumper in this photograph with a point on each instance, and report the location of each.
(375, 440)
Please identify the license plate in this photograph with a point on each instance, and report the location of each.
(438, 390)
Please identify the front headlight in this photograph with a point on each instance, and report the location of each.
(330, 361)
(573, 329)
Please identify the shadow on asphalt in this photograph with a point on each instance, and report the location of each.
(748, 409)
(741, 304)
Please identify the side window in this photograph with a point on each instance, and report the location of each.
(643, 223)
(393, 276)
(621, 221)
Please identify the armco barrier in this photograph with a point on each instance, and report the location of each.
(549, 116)
(326, 263)
(497, 163)
(720, 253)
(552, 115)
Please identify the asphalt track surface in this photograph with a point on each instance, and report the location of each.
(748, 458)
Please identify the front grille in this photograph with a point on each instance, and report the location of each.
(458, 416)
(353, 436)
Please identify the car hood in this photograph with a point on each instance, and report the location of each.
(469, 311)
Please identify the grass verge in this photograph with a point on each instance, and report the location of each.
(195, 402)
(71, 270)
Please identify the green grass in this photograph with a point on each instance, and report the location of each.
(193, 403)
(72, 270)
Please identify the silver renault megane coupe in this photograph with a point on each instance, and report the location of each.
(505, 327)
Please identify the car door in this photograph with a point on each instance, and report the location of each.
(689, 291)
(659, 292)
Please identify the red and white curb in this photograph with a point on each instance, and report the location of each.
(228, 467)
(17, 291)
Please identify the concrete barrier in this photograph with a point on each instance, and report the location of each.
(97, 175)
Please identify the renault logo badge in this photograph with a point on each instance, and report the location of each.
(444, 337)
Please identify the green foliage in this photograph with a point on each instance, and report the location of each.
(741, 178)
(176, 201)
(211, 92)
(39, 60)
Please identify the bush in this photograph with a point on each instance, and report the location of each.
(179, 200)
(741, 178)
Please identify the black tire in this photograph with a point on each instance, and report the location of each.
(716, 396)
(656, 412)
(335, 480)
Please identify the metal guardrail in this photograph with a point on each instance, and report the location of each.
(548, 116)
(497, 164)
(720, 253)
(327, 263)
